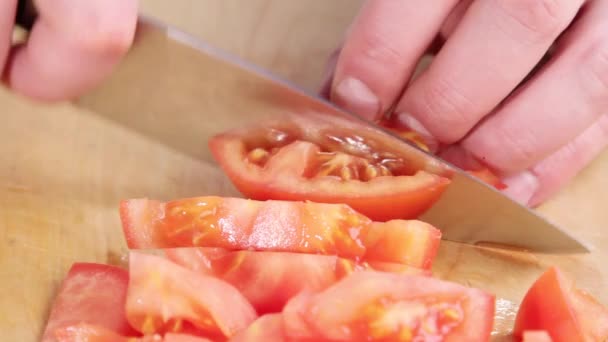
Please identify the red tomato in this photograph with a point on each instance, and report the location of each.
(165, 297)
(330, 160)
(555, 305)
(269, 279)
(536, 336)
(267, 328)
(488, 177)
(95, 333)
(380, 306)
(91, 293)
(306, 227)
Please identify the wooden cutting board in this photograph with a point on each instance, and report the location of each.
(63, 171)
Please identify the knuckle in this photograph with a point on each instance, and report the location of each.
(449, 108)
(538, 19)
(382, 51)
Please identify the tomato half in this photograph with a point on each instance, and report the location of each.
(330, 160)
(380, 306)
(165, 297)
(267, 328)
(269, 279)
(90, 293)
(305, 227)
(95, 333)
(555, 305)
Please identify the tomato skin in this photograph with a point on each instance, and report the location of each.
(91, 293)
(280, 226)
(95, 333)
(555, 305)
(379, 306)
(265, 329)
(269, 279)
(165, 297)
(286, 176)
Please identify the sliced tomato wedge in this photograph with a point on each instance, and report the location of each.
(555, 305)
(280, 226)
(330, 160)
(91, 293)
(381, 306)
(96, 333)
(165, 297)
(269, 279)
(267, 328)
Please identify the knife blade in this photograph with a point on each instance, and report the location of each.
(176, 89)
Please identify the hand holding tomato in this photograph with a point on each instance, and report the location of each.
(521, 86)
(73, 45)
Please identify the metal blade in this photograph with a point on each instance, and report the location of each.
(180, 91)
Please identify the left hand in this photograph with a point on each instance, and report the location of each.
(479, 97)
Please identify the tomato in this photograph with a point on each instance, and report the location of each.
(269, 279)
(90, 293)
(95, 333)
(380, 306)
(487, 176)
(536, 336)
(555, 305)
(280, 226)
(330, 160)
(267, 328)
(165, 297)
(481, 172)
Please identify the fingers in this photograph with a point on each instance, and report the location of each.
(556, 105)
(494, 46)
(381, 51)
(7, 16)
(546, 177)
(73, 45)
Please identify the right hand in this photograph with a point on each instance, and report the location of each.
(72, 46)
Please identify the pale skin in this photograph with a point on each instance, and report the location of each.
(477, 99)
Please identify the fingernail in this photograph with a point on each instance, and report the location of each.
(521, 187)
(353, 95)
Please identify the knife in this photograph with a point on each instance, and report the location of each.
(170, 84)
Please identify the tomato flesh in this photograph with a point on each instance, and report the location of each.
(280, 226)
(91, 293)
(380, 306)
(265, 329)
(330, 160)
(555, 305)
(269, 279)
(536, 336)
(165, 297)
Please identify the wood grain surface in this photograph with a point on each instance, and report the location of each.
(63, 171)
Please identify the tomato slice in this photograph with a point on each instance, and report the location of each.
(165, 297)
(95, 333)
(269, 279)
(280, 226)
(487, 176)
(555, 305)
(536, 336)
(330, 160)
(267, 328)
(380, 306)
(91, 293)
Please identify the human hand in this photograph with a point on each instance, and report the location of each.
(72, 46)
(478, 98)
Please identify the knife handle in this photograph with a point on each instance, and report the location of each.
(26, 14)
